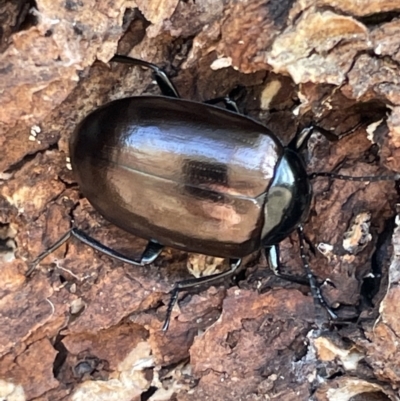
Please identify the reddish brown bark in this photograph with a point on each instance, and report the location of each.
(87, 326)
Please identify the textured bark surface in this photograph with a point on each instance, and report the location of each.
(85, 326)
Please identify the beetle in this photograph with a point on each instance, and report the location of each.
(191, 176)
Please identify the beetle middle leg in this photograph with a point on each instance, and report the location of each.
(149, 255)
(194, 282)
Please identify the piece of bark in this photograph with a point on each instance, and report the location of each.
(87, 326)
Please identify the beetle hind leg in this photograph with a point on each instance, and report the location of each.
(47, 252)
(166, 86)
(194, 282)
(149, 255)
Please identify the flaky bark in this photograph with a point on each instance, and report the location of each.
(85, 326)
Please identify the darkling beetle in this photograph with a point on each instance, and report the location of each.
(191, 176)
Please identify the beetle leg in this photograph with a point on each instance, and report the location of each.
(315, 290)
(165, 84)
(47, 252)
(149, 255)
(151, 252)
(273, 258)
(274, 264)
(194, 282)
(301, 138)
(229, 103)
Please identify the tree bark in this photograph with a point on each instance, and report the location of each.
(85, 326)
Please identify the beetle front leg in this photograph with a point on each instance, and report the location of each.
(274, 264)
(273, 259)
(194, 282)
(314, 287)
(166, 86)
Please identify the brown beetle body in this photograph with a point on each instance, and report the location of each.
(187, 175)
